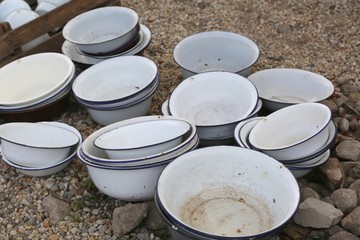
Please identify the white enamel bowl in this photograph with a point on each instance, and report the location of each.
(243, 129)
(9, 6)
(34, 78)
(293, 132)
(131, 179)
(281, 87)
(142, 139)
(117, 89)
(216, 51)
(115, 80)
(20, 17)
(36, 145)
(51, 168)
(99, 156)
(103, 30)
(228, 193)
(219, 100)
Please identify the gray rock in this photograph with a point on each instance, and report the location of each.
(307, 192)
(343, 235)
(357, 106)
(333, 175)
(344, 125)
(56, 208)
(153, 220)
(317, 214)
(345, 199)
(354, 172)
(128, 217)
(341, 111)
(352, 222)
(346, 166)
(356, 187)
(348, 181)
(348, 150)
(334, 230)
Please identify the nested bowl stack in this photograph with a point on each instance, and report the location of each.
(103, 30)
(35, 87)
(38, 149)
(124, 161)
(117, 89)
(299, 136)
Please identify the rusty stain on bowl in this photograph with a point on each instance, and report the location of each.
(227, 211)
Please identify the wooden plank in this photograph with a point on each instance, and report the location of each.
(14, 39)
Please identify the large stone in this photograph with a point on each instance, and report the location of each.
(317, 214)
(348, 150)
(307, 192)
(153, 220)
(354, 172)
(356, 187)
(343, 235)
(352, 222)
(331, 105)
(333, 175)
(345, 199)
(56, 208)
(344, 125)
(128, 217)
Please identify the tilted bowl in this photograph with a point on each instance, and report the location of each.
(34, 144)
(282, 87)
(293, 132)
(216, 51)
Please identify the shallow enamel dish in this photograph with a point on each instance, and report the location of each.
(98, 155)
(219, 100)
(48, 100)
(69, 49)
(256, 191)
(33, 78)
(145, 162)
(122, 77)
(35, 145)
(281, 87)
(125, 101)
(50, 169)
(293, 132)
(103, 30)
(142, 139)
(216, 51)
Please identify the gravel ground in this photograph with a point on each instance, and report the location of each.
(322, 36)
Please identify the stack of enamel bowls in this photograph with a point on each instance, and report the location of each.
(215, 102)
(117, 89)
(299, 136)
(125, 159)
(34, 87)
(38, 149)
(103, 31)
